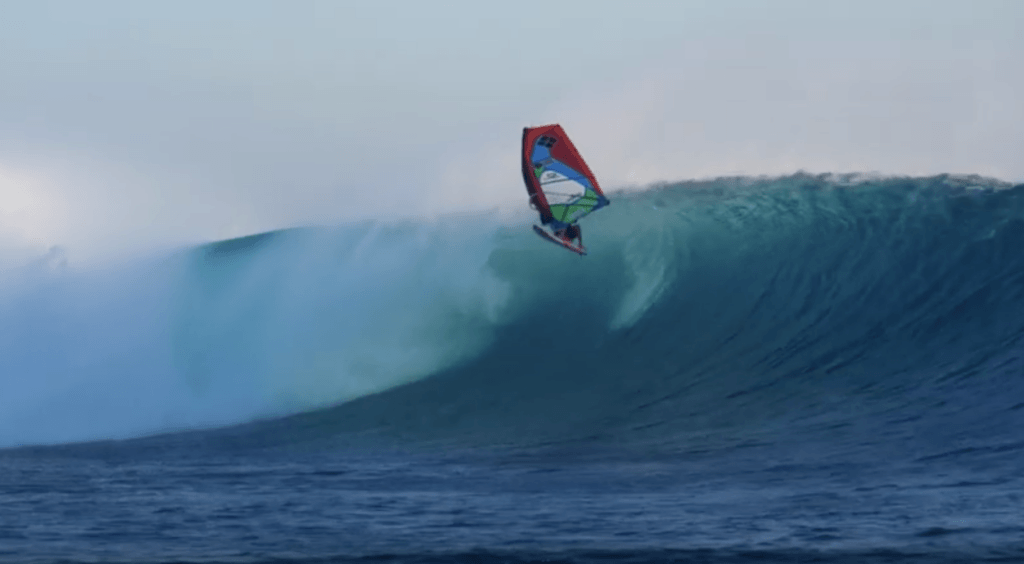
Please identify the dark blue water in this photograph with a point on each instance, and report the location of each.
(799, 369)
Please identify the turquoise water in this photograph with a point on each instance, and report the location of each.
(806, 368)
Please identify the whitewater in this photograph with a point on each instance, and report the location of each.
(797, 368)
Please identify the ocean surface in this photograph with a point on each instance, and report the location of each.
(811, 368)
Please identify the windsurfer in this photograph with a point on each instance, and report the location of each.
(570, 232)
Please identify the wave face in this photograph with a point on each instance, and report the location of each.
(822, 315)
(816, 313)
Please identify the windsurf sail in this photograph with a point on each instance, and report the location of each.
(560, 184)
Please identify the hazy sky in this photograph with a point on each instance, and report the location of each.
(130, 124)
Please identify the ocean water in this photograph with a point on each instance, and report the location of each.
(812, 368)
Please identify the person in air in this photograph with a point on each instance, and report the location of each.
(571, 231)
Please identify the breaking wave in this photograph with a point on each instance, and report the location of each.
(801, 310)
